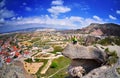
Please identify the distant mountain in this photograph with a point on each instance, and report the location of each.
(22, 30)
(107, 29)
(96, 29)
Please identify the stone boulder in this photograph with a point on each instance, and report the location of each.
(83, 59)
(82, 52)
(106, 71)
(76, 71)
(15, 70)
(89, 61)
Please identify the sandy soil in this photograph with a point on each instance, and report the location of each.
(20, 64)
(32, 68)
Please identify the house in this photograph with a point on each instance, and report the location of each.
(15, 48)
(17, 54)
(26, 54)
(8, 60)
(12, 54)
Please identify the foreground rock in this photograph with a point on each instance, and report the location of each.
(107, 71)
(88, 58)
(82, 52)
(15, 70)
(87, 62)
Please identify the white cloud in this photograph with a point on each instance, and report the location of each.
(57, 2)
(97, 18)
(118, 11)
(24, 3)
(4, 13)
(72, 22)
(2, 20)
(76, 18)
(57, 8)
(19, 18)
(28, 9)
(2, 3)
(112, 17)
(13, 18)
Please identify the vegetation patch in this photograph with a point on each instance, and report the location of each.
(54, 65)
(112, 56)
(57, 65)
(57, 49)
(62, 74)
(38, 72)
(118, 70)
(110, 41)
(29, 60)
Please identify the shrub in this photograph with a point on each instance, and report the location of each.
(37, 60)
(107, 50)
(118, 70)
(54, 65)
(110, 41)
(112, 60)
(29, 60)
(112, 57)
(28, 70)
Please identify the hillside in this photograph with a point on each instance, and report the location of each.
(107, 29)
(96, 29)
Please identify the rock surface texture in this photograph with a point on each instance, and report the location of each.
(87, 62)
(82, 52)
(15, 70)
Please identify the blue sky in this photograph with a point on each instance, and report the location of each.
(58, 13)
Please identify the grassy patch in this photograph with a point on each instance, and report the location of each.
(61, 74)
(53, 65)
(112, 56)
(110, 41)
(29, 60)
(38, 72)
(57, 49)
(61, 63)
(118, 70)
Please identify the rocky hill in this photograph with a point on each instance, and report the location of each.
(96, 29)
(107, 29)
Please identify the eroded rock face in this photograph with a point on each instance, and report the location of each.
(87, 64)
(77, 71)
(89, 61)
(83, 59)
(106, 71)
(15, 70)
(82, 52)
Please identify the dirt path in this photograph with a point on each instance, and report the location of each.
(57, 71)
(46, 67)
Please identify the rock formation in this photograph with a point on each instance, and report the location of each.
(96, 29)
(109, 29)
(77, 71)
(15, 70)
(88, 58)
(87, 62)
